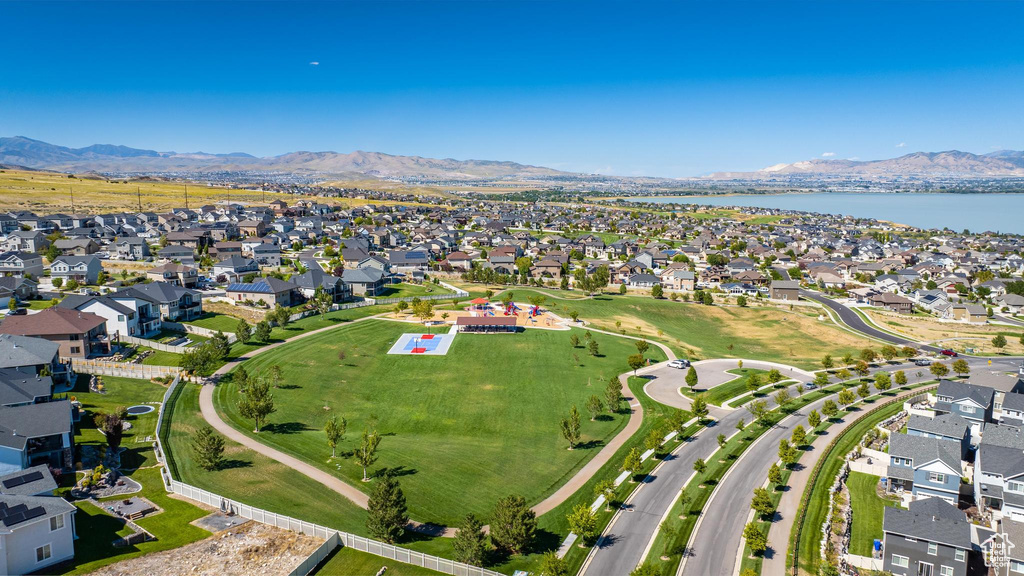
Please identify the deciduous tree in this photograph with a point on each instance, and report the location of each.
(583, 523)
(570, 427)
(366, 452)
(256, 402)
(335, 431)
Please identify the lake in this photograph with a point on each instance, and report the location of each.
(975, 212)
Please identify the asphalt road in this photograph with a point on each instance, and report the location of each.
(853, 320)
(1009, 320)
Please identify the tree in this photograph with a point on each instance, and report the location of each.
(961, 368)
(999, 341)
(827, 363)
(571, 427)
(775, 475)
(262, 332)
(799, 436)
(470, 542)
(642, 346)
(605, 488)
(691, 377)
(699, 407)
(813, 419)
(846, 397)
(759, 410)
(756, 539)
(900, 378)
(657, 292)
(58, 282)
(829, 409)
(594, 406)
(862, 369)
(762, 502)
(883, 381)
(741, 301)
(848, 359)
(220, 346)
(256, 402)
(386, 510)
(424, 310)
(636, 362)
(632, 462)
(721, 441)
(281, 315)
(574, 340)
(595, 350)
(112, 426)
(513, 524)
(700, 466)
(583, 523)
(208, 449)
(366, 453)
(322, 301)
(938, 369)
(774, 376)
(782, 397)
(868, 355)
(552, 565)
(73, 284)
(753, 382)
(243, 332)
(889, 352)
(335, 431)
(843, 374)
(708, 299)
(622, 288)
(863, 390)
(787, 453)
(613, 395)
(821, 379)
(908, 352)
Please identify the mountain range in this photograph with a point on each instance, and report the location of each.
(26, 152)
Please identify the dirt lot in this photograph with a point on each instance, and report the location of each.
(955, 335)
(247, 549)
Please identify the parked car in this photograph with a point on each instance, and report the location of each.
(680, 363)
(18, 312)
(810, 385)
(922, 362)
(948, 352)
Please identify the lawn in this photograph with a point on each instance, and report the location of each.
(868, 510)
(347, 561)
(307, 324)
(215, 321)
(735, 387)
(159, 357)
(119, 392)
(453, 426)
(408, 290)
(696, 332)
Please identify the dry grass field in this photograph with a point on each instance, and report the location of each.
(955, 335)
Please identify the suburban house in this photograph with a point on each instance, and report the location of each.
(266, 291)
(124, 317)
(945, 426)
(27, 241)
(931, 538)
(368, 281)
(678, 280)
(79, 334)
(235, 267)
(315, 278)
(460, 261)
(267, 254)
(973, 313)
(999, 472)
(924, 466)
(173, 303)
(547, 269)
(643, 281)
(174, 273)
(23, 288)
(785, 290)
(83, 269)
(33, 356)
(21, 264)
(893, 302)
(133, 248)
(34, 434)
(973, 403)
(37, 529)
(19, 389)
(77, 246)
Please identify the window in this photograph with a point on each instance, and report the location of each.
(900, 561)
(43, 553)
(933, 549)
(936, 477)
(946, 571)
(967, 409)
(1016, 566)
(1014, 486)
(961, 555)
(120, 317)
(56, 522)
(76, 350)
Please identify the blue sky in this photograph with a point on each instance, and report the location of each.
(632, 88)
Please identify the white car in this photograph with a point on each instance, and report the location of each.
(679, 364)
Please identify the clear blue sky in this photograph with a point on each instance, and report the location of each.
(673, 89)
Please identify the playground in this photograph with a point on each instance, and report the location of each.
(423, 344)
(526, 316)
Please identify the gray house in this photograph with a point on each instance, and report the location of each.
(999, 471)
(367, 281)
(932, 538)
(946, 426)
(926, 467)
(974, 403)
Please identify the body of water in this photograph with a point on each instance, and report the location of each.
(975, 212)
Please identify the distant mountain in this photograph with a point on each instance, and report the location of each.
(22, 151)
(953, 163)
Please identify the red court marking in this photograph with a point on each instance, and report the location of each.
(427, 337)
(418, 350)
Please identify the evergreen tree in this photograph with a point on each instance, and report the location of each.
(513, 525)
(208, 449)
(386, 510)
(470, 542)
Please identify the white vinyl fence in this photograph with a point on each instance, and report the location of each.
(333, 538)
(120, 369)
(153, 344)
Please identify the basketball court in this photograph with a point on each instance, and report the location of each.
(426, 344)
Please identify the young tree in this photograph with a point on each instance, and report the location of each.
(513, 524)
(762, 503)
(700, 466)
(605, 488)
(691, 377)
(901, 378)
(889, 352)
(862, 369)
(550, 563)
(756, 539)
(848, 359)
(721, 441)
(335, 431)
(657, 292)
(632, 463)
(868, 355)
(799, 436)
(961, 368)
(699, 407)
(908, 352)
(821, 379)
(829, 409)
(787, 453)
(846, 397)
(208, 449)
(999, 341)
(813, 419)
(782, 397)
(740, 425)
(386, 510)
(574, 340)
(276, 375)
(636, 362)
(827, 363)
(883, 381)
(282, 316)
(775, 475)
(753, 382)
(366, 453)
(741, 301)
(243, 332)
(58, 282)
(759, 410)
(774, 376)
(470, 542)
(613, 395)
(256, 402)
(583, 523)
(642, 346)
(938, 369)
(322, 302)
(571, 427)
(863, 390)
(262, 332)
(843, 374)
(594, 406)
(595, 350)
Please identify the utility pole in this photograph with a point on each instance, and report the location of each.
(186, 196)
(72, 189)
(138, 189)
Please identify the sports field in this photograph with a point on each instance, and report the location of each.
(461, 430)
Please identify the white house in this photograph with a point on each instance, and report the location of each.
(124, 316)
(84, 269)
(37, 529)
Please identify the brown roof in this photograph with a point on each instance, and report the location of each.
(52, 321)
(485, 321)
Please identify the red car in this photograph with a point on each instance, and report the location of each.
(948, 352)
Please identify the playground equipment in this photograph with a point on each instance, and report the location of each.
(535, 311)
(511, 309)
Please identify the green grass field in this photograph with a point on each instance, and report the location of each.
(868, 510)
(350, 562)
(407, 290)
(215, 321)
(119, 392)
(797, 338)
(735, 387)
(448, 421)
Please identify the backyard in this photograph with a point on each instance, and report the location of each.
(444, 450)
(868, 510)
(347, 561)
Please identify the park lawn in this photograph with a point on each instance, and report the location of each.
(119, 392)
(868, 510)
(733, 388)
(408, 290)
(696, 332)
(453, 425)
(347, 561)
(307, 324)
